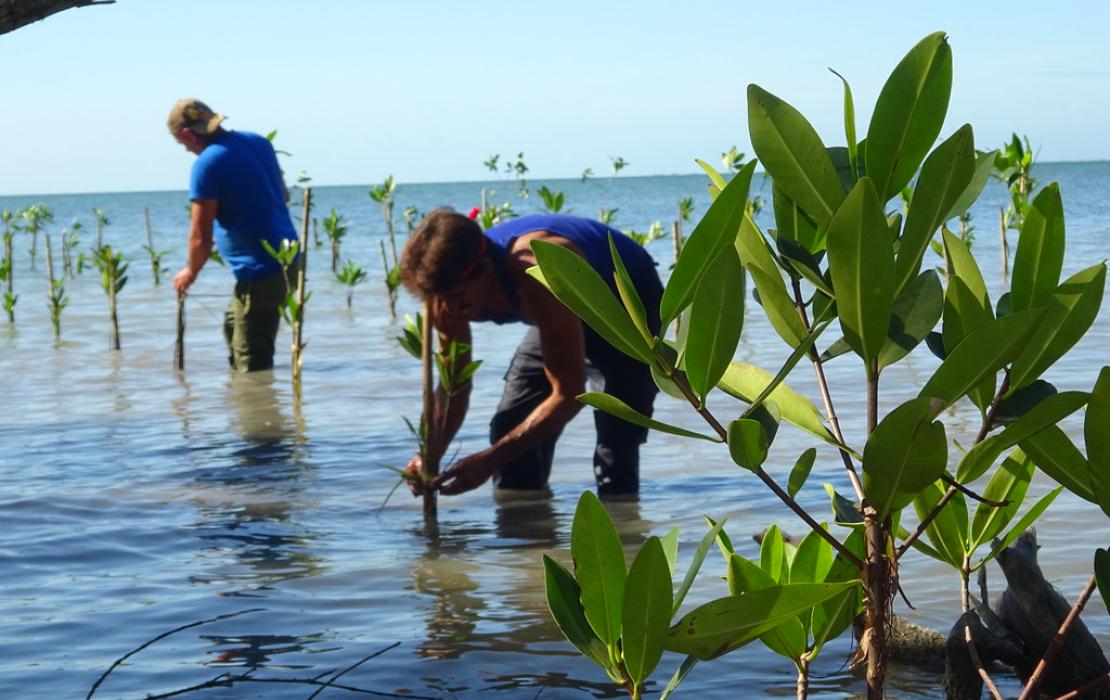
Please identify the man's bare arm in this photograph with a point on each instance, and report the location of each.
(201, 220)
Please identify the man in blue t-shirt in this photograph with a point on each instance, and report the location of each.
(469, 275)
(238, 200)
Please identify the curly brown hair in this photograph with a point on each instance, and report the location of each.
(437, 253)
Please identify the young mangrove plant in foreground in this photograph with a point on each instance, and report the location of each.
(6, 272)
(292, 257)
(836, 260)
(55, 293)
(113, 276)
(351, 276)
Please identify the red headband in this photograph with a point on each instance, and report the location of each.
(474, 263)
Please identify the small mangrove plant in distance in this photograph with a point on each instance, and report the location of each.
(113, 276)
(385, 195)
(7, 273)
(841, 280)
(335, 227)
(351, 276)
(56, 300)
(154, 255)
(292, 256)
(35, 217)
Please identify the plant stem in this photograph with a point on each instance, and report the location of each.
(55, 312)
(298, 318)
(1005, 245)
(1057, 642)
(803, 678)
(8, 256)
(969, 640)
(430, 458)
(179, 344)
(879, 580)
(872, 396)
(154, 264)
(388, 288)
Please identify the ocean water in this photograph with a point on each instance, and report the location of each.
(135, 500)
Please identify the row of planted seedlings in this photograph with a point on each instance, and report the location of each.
(840, 260)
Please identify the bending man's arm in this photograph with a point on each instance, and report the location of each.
(203, 214)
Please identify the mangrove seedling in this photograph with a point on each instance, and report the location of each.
(587, 173)
(155, 255)
(56, 292)
(35, 218)
(392, 282)
(685, 212)
(491, 216)
(491, 163)
(292, 257)
(552, 201)
(384, 195)
(335, 226)
(518, 169)
(70, 239)
(654, 233)
(618, 164)
(113, 276)
(6, 271)
(101, 222)
(351, 276)
(607, 216)
(411, 215)
(836, 258)
(1013, 166)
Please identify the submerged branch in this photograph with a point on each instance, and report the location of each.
(1057, 643)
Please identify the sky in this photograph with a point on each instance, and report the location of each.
(426, 90)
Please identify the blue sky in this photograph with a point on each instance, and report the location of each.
(426, 89)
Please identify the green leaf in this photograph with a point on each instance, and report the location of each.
(628, 294)
(1008, 484)
(1057, 456)
(1096, 434)
(984, 164)
(744, 576)
(680, 673)
(713, 174)
(832, 617)
(1022, 401)
(906, 452)
(800, 472)
(646, 614)
(717, 229)
(599, 566)
(1045, 414)
(844, 511)
(748, 443)
(670, 548)
(772, 555)
(716, 319)
(747, 382)
(944, 177)
(562, 601)
(981, 354)
(725, 624)
(715, 532)
(861, 263)
(614, 406)
(1022, 525)
(813, 560)
(849, 123)
(913, 316)
(948, 531)
(576, 284)
(1102, 575)
(793, 224)
(1040, 251)
(1072, 308)
(793, 155)
(909, 114)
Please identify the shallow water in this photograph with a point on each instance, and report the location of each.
(134, 500)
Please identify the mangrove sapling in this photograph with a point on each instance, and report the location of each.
(335, 226)
(102, 221)
(35, 217)
(1013, 166)
(552, 201)
(654, 233)
(292, 257)
(518, 169)
(70, 239)
(384, 195)
(7, 272)
(155, 255)
(491, 216)
(56, 292)
(834, 243)
(351, 276)
(607, 216)
(392, 283)
(411, 215)
(113, 276)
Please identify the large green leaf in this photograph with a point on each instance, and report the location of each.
(966, 306)
(576, 284)
(628, 294)
(813, 559)
(1072, 308)
(777, 304)
(725, 624)
(909, 114)
(981, 354)
(913, 316)
(906, 452)
(793, 224)
(1057, 456)
(717, 229)
(680, 673)
(748, 443)
(944, 177)
(793, 155)
(614, 406)
(861, 263)
(646, 614)
(1045, 414)
(984, 164)
(562, 600)
(1008, 485)
(1096, 434)
(744, 576)
(800, 472)
(747, 382)
(772, 555)
(599, 567)
(715, 530)
(849, 123)
(716, 319)
(948, 530)
(1040, 251)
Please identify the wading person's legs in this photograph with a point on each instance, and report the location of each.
(526, 386)
(617, 454)
(251, 323)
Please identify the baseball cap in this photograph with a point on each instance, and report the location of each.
(193, 114)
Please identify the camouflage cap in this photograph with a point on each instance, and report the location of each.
(193, 114)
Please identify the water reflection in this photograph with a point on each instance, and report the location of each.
(257, 651)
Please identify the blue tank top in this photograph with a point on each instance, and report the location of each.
(592, 237)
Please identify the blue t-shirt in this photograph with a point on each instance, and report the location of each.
(240, 169)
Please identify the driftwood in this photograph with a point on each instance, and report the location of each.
(17, 13)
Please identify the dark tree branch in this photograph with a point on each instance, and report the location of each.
(18, 13)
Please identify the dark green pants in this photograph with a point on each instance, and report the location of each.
(251, 323)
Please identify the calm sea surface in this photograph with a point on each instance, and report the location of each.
(135, 500)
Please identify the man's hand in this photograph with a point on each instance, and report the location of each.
(414, 471)
(466, 474)
(184, 279)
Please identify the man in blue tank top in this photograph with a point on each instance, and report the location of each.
(470, 276)
(237, 184)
